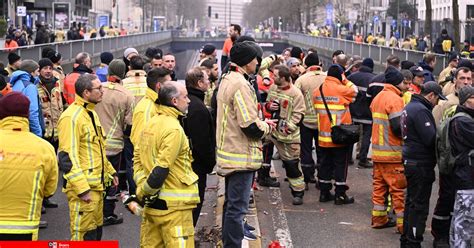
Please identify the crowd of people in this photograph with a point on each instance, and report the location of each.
(127, 130)
(45, 34)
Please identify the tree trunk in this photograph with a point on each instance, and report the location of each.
(428, 20)
(457, 40)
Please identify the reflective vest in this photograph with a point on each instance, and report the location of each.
(237, 109)
(307, 83)
(52, 107)
(163, 143)
(82, 137)
(338, 96)
(135, 82)
(29, 172)
(386, 146)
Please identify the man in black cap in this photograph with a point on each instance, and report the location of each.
(360, 109)
(14, 62)
(239, 133)
(444, 43)
(419, 160)
(447, 72)
(418, 78)
(208, 51)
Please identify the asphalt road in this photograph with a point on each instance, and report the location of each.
(316, 224)
(127, 233)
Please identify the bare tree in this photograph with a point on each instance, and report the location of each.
(457, 40)
(428, 20)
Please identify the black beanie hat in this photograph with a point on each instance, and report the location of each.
(243, 38)
(45, 62)
(406, 65)
(12, 58)
(53, 56)
(368, 62)
(393, 76)
(242, 53)
(297, 52)
(106, 57)
(336, 71)
(208, 49)
(46, 51)
(150, 52)
(311, 59)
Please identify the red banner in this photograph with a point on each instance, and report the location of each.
(59, 244)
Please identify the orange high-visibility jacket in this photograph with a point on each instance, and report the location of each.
(338, 96)
(387, 105)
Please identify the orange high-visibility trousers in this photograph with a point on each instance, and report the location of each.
(388, 177)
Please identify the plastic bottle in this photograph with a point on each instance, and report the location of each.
(134, 207)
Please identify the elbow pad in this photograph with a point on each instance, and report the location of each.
(252, 131)
(395, 125)
(64, 161)
(155, 180)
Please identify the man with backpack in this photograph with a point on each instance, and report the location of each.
(460, 133)
(444, 44)
(419, 159)
(444, 206)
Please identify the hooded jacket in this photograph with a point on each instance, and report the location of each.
(461, 128)
(23, 82)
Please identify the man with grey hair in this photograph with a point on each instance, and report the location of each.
(82, 64)
(83, 160)
(170, 191)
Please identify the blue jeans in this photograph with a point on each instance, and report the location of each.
(236, 204)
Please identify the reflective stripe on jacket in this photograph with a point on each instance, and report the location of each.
(237, 109)
(307, 83)
(135, 82)
(291, 111)
(82, 137)
(387, 105)
(115, 113)
(29, 172)
(338, 96)
(163, 143)
(52, 107)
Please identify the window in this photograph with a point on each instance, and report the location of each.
(470, 11)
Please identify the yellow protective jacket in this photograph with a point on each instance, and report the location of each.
(115, 113)
(142, 114)
(51, 107)
(237, 109)
(292, 108)
(29, 171)
(135, 82)
(163, 143)
(307, 83)
(82, 149)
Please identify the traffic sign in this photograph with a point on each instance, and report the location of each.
(376, 18)
(21, 10)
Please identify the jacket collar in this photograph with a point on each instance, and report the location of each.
(364, 68)
(332, 80)
(151, 94)
(238, 69)
(15, 123)
(314, 68)
(80, 68)
(389, 87)
(468, 111)
(133, 73)
(196, 92)
(169, 111)
(422, 100)
(81, 102)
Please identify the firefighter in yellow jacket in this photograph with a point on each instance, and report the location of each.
(170, 191)
(83, 160)
(29, 171)
(238, 138)
(287, 102)
(388, 176)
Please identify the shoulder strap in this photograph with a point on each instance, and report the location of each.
(325, 104)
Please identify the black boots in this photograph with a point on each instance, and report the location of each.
(343, 199)
(264, 178)
(297, 197)
(326, 196)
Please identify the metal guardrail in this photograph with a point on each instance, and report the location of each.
(94, 47)
(377, 53)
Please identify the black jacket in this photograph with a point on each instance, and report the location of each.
(428, 70)
(438, 45)
(360, 109)
(375, 86)
(419, 131)
(200, 129)
(461, 133)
